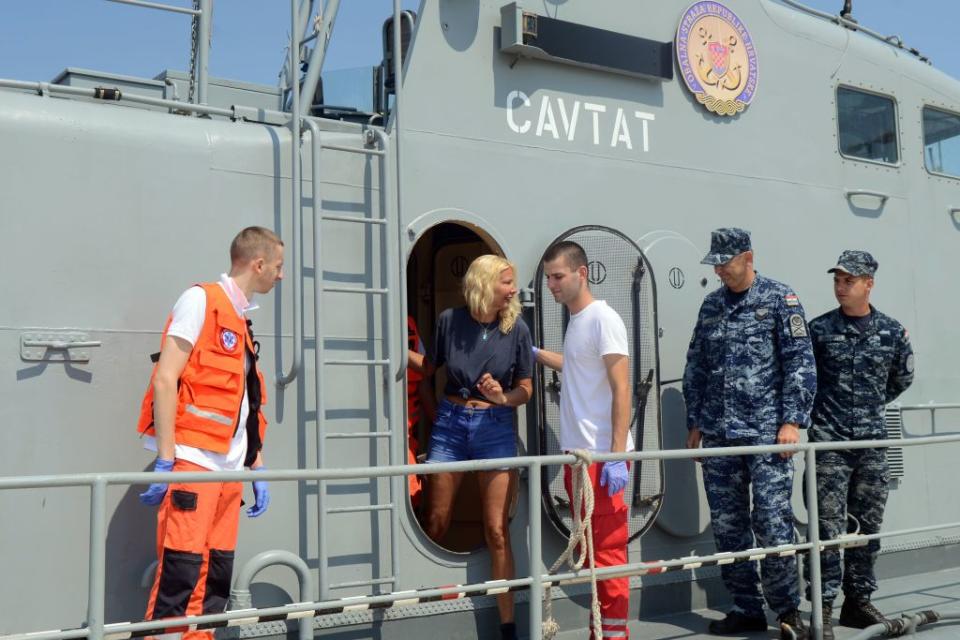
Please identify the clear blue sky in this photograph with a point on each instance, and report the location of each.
(38, 38)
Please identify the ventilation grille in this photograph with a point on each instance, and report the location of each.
(893, 422)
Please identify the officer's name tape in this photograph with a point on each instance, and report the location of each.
(414, 597)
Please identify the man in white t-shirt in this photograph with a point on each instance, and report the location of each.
(201, 412)
(594, 414)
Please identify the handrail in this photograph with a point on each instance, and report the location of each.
(853, 25)
(352, 473)
(296, 147)
(100, 481)
(240, 593)
(318, 346)
(202, 18)
(46, 88)
(157, 5)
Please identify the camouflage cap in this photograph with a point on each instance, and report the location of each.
(726, 244)
(856, 263)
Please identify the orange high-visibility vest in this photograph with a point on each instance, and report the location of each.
(413, 377)
(212, 383)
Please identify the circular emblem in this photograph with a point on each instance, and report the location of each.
(228, 339)
(676, 278)
(718, 60)
(596, 272)
(458, 266)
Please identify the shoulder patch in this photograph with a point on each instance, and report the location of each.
(798, 328)
(909, 364)
(791, 300)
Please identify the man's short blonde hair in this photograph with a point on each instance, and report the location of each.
(253, 243)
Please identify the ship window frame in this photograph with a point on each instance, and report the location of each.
(923, 128)
(896, 127)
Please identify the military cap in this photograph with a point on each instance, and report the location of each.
(856, 263)
(726, 244)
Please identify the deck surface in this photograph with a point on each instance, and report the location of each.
(939, 591)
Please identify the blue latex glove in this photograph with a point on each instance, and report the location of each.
(614, 476)
(262, 496)
(155, 492)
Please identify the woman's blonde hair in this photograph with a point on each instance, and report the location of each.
(478, 286)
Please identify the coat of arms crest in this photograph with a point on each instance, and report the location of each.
(718, 60)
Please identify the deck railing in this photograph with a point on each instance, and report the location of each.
(96, 627)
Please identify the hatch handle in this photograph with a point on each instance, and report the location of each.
(955, 214)
(883, 197)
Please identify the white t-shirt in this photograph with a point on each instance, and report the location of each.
(188, 315)
(586, 400)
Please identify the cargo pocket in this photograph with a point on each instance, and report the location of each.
(178, 578)
(184, 500)
(219, 572)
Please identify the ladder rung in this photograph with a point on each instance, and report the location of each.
(361, 509)
(355, 290)
(359, 363)
(354, 219)
(365, 434)
(363, 583)
(361, 150)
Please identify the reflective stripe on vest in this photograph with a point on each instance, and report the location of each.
(209, 415)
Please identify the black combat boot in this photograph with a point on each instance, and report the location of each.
(827, 621)
(859, 613)
(736, 623)
(792, 627)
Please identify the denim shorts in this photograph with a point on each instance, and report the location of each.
(468, 433)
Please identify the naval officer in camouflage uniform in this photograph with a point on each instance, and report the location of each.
(864, 361)
(750, 379)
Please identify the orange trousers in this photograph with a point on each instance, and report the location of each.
(609, 525)
(196, 538)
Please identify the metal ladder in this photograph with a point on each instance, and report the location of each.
(390, 322)
(392, 309)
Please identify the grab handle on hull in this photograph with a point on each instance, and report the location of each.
(853, 193)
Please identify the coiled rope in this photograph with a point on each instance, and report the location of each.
(581, 534)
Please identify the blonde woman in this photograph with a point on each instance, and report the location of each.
(486, 348)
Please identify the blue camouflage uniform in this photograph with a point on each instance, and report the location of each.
(750, 369)
(860, 369)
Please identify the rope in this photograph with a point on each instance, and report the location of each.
(581, 535)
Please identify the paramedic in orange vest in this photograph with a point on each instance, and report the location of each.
(420, 402)
(595, 415)
(201, 413)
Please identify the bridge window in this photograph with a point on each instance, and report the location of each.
(941, 142)
(867, 125)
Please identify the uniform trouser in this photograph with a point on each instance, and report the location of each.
(728, 482)
(609, 525)
(196, 538)
(854, 482)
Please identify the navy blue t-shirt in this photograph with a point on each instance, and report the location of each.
(460, 345)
